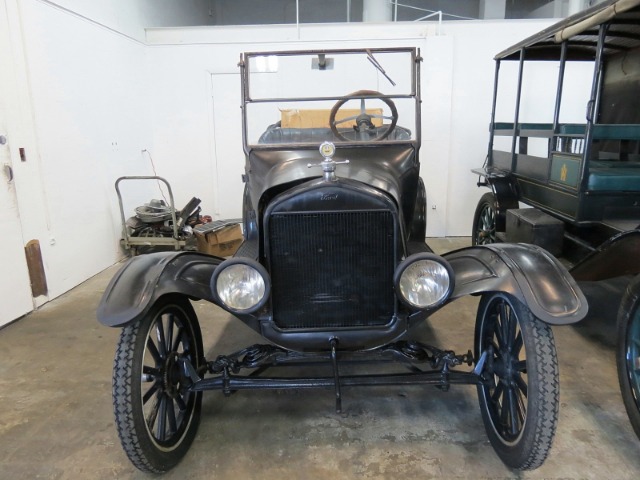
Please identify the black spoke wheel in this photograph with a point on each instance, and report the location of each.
(156, 416)
(519, 397)
(628, 354)
(485, 221)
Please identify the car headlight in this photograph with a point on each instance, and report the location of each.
(240, 285)
(424, 280)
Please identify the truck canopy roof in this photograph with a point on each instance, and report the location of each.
(581, 31)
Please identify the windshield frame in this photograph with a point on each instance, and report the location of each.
(413, 94)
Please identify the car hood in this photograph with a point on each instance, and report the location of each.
(390, 168)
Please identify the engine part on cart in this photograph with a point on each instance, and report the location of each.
(154, 219)
(154, 211)
(189, 215)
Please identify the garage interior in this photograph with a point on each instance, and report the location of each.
(90, 93)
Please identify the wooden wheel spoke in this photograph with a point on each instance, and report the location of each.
(182, 405)
(171, 416)
(514, 415)
(504, 323)
(522, 385)
(498, 332)
(497, 393)
(149, 370)
(150, 393)
(504, 409)
(153, 350)
(521, 366)
(162, 344)
(178, 339)
(522, 409)
(510, 328)
(153, 413)
(487, 219)
(169, 339)
(517, 345)
(161, 430)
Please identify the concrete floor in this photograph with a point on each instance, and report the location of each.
(57, 421)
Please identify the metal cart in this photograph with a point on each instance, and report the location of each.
(132, 243)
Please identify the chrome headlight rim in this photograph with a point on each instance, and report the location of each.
(416, 257)
(241, 261)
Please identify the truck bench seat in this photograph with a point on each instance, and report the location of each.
(616, 179)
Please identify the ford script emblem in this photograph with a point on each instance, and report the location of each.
(329, 196)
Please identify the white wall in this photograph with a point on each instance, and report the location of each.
(86, 117)
(475, 45)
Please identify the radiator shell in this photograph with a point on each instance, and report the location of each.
(331, 249)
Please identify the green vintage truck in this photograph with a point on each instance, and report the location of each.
(565, 143)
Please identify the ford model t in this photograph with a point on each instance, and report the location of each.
(571, 150)
(334, 269)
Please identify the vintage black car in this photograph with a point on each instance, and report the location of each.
(573, 154)
(334, 269)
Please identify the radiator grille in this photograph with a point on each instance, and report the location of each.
(332, 270)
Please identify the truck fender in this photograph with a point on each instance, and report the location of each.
(143, 279)
(504, 189)
(616, 257)
(527, 272)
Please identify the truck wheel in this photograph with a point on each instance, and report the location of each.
(628, 354)
(156, 416)
(519, 396)
(485, 220)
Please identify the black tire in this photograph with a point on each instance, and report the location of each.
(519, 401)
(485, 221)
(628, 352)
(157, 424)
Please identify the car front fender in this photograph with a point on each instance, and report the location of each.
(529, 273)
(143, 279)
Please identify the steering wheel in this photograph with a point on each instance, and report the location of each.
(364, 125)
